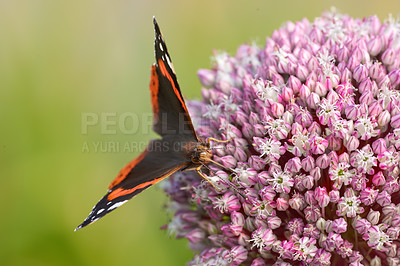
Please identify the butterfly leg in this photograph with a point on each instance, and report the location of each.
(206, 178)
(217, 140)
(224, 181)
(220, 165)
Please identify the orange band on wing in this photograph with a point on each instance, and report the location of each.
(125, 171)
(122, 192)
(165, 73)
(154, 87)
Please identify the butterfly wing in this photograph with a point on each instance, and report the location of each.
(162, 157)
(150, 167)
(171, 116)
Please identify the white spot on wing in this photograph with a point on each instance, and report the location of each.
(116, 205)
(94, 220)
(100, 211)
(170, 63)
(161, 47)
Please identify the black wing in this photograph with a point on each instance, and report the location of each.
(171, 116)
(157, 162)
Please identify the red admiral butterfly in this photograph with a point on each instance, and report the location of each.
(178, 149)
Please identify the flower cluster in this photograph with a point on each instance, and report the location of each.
(311, 174)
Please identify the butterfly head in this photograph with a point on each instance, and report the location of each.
(201, 153)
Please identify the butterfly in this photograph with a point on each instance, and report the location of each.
(178, 149)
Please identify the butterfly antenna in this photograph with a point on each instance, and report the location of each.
(243, 146)
(224, 141)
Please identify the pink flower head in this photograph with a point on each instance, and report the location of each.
(311, 173)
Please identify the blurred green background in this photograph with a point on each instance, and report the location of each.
(60, 59)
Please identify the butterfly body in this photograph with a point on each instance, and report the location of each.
(200, 154)
(178, 149)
